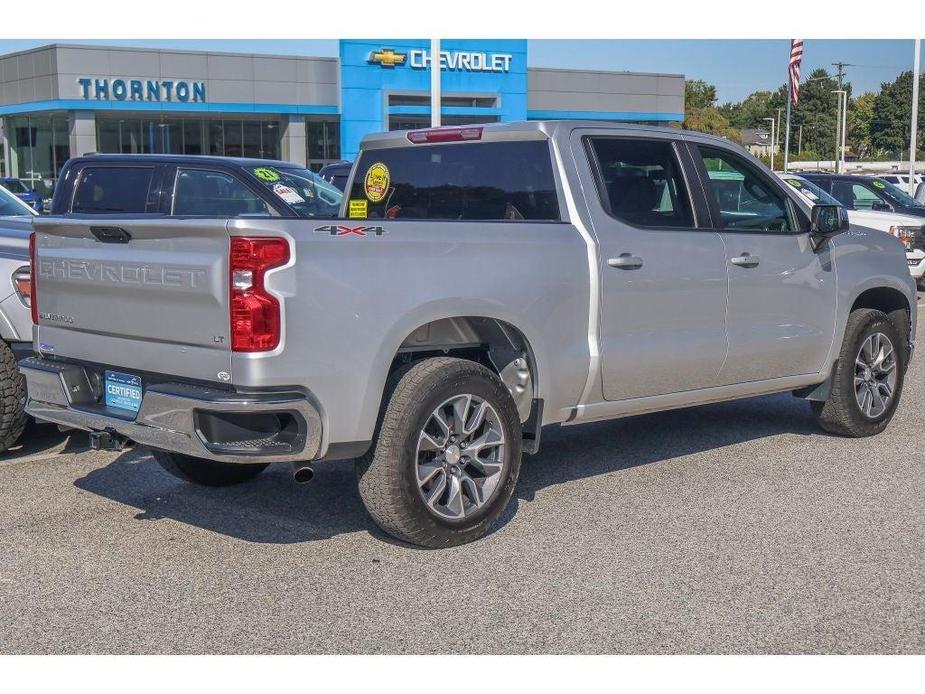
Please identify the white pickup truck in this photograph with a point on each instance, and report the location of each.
(482, 282)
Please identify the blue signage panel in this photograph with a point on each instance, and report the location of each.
(372, 70)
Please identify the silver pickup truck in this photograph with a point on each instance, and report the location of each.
(482, 282)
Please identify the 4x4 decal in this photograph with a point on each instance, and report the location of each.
(343, 230)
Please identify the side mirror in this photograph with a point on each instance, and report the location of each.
(880, 206)
(827, 221)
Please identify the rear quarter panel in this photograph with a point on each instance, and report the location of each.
(15, 317)
(350, 301)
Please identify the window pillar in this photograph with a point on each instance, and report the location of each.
(82, 132)
(293, 139)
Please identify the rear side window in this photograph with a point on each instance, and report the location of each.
(473, 181)
(640, 182)
(206, 193)
(112, 190)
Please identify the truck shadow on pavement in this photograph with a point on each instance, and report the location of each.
(273, 509)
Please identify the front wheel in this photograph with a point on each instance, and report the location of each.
(207, 472)
(868, 378)
(447, 454)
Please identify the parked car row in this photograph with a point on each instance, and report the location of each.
(471, 285)
(867, 210)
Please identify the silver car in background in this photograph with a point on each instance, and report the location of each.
(15, 313)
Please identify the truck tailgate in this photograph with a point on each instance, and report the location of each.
(154, 298)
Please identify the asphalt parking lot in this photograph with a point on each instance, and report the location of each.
(732, 528)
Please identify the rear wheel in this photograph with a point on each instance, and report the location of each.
(207, 472)
(868, 378)
(12, 399)
(447, 454)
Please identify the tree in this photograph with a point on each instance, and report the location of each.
(701, 114)
(860, 116)
(710, 120)
(698, 94)
(892, 115)
(751, 111)
(817, 112)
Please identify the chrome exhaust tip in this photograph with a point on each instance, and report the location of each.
(302, 473)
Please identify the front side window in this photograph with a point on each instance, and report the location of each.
(205, 193)
(640, 182)
(486, 181)
(112, 190)
(745, 200)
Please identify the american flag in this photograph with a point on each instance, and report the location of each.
(796, 57)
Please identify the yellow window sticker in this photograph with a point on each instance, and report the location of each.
(265, 173)
(879, 184)
(357, 209)
(376, 182)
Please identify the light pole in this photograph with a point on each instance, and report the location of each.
(915, 116)
(839, 124)
(772, 140)
(435, 101)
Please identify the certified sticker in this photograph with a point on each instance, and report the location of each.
(357, 209)
(265, 173)
(879, 184)
(376, 182)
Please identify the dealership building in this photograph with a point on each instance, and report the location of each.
(60, 101)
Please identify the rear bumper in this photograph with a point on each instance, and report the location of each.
(182, 418)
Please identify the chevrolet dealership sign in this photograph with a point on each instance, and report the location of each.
(460, 61)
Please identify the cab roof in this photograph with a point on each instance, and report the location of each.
(535, 129)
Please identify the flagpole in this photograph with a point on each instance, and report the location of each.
(787, 131)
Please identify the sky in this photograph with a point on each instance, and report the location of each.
(736, 67)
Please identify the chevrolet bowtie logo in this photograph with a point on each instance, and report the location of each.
(387, 57)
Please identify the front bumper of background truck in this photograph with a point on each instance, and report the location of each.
(195, 420)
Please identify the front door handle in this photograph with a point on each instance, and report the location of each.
(745, 260)
(626, 262)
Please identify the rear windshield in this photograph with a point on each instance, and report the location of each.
(302, 191)
(472, 181)
(112, 190)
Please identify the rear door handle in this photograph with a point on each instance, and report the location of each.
(626, 262)
(745, 260)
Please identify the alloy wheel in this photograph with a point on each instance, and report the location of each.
(875, 375)
(460, 456)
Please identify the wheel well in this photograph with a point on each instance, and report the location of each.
(495, 344)
(884, 299)
(894, 304)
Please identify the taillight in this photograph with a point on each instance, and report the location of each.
(255, 313)
(444, 135)
(22, 283)
(34, 281)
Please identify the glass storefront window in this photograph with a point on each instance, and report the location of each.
(219, 137)
(39, 146)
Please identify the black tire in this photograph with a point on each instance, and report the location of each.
(387, 473)
(841, 414)
(207, 472)
(13, 416)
